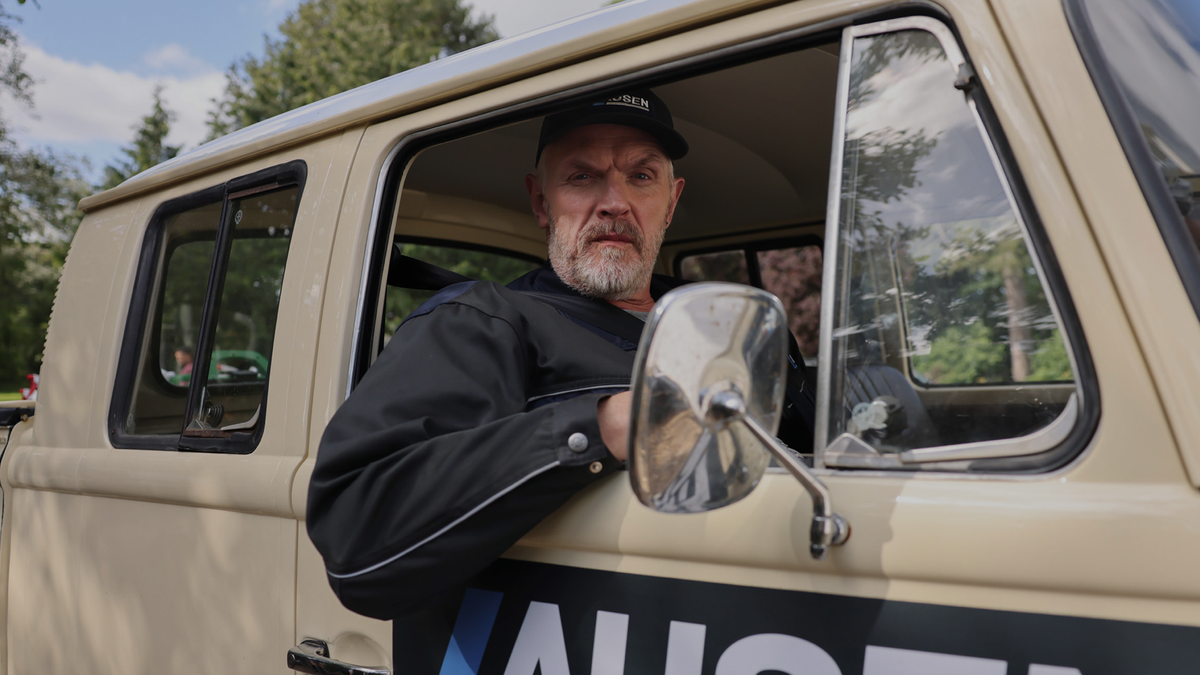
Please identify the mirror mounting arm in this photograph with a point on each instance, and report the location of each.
(829, 528)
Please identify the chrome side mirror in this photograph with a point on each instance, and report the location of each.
(708, 390)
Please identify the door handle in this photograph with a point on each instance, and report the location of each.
(312, 656)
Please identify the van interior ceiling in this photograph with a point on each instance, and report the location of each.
(760, 136)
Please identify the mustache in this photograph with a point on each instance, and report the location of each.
(594, 231)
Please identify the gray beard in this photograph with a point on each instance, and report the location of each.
(606, 272)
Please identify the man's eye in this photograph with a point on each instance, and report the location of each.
(642, 175)
(581, 176)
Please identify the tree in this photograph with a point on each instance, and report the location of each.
(13, 78)
(330, 46)
(39, 190)
(38, 194)
(149, 145)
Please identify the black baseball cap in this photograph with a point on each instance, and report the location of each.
(639, 108)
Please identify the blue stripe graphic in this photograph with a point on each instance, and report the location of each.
(471, 631)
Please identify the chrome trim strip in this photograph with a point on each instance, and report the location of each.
(850, 452)
(447, 528)
(360, 304)
(830, 252)
(1039, 441)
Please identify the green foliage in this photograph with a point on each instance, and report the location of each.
(480, 265)
(961, 355)
(13, 79)
(149, 145)
(330, 46)
(1050, 362)
(38, 194)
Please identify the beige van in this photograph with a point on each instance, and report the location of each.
(977, 217)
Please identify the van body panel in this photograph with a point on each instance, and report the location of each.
(1133, 247)
(125, 560)
(132, 560)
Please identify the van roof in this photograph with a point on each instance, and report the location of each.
(574, 39)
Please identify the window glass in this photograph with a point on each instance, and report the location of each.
(240, 355)
(943, 331)
(1153, 47)
(479, 265)
(720, 266)
(794, 276)
(160, 395)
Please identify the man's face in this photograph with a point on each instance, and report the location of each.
(605, 194)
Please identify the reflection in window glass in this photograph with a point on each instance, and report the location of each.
(1153, 47)
(160, 397)
(479, 265)
(245, 332)
(937, 288)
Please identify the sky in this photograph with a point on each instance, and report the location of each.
(96, 63)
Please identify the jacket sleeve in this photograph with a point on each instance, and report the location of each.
(434, 466)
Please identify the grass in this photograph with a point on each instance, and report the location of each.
(10, 388)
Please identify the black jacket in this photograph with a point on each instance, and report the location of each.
(455, 443)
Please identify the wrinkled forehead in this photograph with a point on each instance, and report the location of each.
(602, 144)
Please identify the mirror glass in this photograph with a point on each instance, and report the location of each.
(702, 339)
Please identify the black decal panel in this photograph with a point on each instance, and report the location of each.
(544, 619)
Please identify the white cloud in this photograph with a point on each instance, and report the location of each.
(174, 57)
(78, 104)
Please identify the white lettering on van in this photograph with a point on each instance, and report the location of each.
(774, 651)
(539, 642)
(685, 648)
(608, 646)
(1039, 669)
(890, 661)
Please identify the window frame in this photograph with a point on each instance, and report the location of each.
(146, 304)
(401, 155)
(398, 158)
(1037, 452)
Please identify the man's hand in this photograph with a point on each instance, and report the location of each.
(613, 416)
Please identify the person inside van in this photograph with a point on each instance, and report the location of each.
(492, 406)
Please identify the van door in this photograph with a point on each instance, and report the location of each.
(148, 520)
(982, 426)
(986, 421)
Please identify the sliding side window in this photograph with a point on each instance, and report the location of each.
(197, 352)
(945, 344)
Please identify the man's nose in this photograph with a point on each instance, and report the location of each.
(614, 202)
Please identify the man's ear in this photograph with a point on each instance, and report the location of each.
(537, 200)
(676, 190)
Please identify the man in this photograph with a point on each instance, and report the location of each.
(493, 405)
